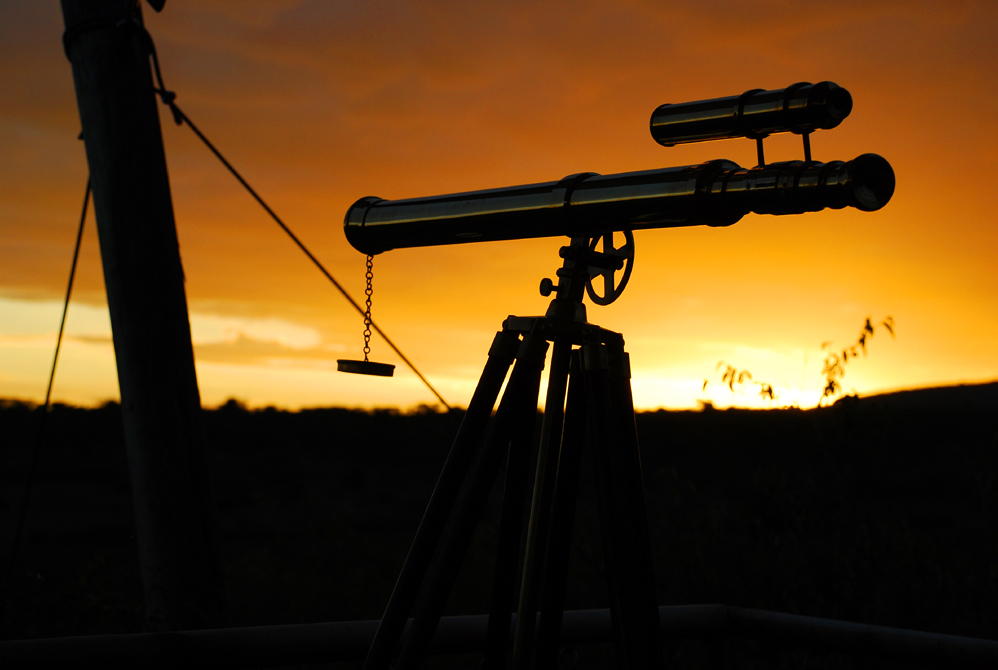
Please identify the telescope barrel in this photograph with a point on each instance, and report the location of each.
(717, 193)
(800, 108)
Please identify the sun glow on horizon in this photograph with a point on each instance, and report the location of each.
(317, 111)
(275, 362)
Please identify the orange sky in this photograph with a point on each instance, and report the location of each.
(320, 103)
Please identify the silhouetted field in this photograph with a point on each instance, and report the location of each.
(880, 511)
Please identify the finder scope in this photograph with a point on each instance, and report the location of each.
(717, 193)
(800, 108)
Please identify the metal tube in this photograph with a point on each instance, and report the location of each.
(717, 193)
(800, 108)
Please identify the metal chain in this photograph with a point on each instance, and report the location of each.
(369, 291)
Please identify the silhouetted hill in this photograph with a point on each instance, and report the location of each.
(879, 510)
(978, 396)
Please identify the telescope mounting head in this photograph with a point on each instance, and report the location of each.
(583, 263)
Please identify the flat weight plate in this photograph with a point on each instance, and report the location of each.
(366, 368)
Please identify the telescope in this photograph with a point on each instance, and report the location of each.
(716, 193)
(588, 401)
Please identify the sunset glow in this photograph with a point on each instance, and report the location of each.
(319, 104)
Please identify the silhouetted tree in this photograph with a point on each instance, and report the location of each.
(833, 369)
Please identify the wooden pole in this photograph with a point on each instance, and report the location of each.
(160, 402)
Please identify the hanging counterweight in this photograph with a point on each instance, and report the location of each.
(366, 367)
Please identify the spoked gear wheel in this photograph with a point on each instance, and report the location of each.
(611, 289)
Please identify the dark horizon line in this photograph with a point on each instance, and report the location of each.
(973, 394)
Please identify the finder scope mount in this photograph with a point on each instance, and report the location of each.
(715, 193)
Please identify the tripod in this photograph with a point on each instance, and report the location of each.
(590, 367)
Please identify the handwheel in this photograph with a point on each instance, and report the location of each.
(611, 291)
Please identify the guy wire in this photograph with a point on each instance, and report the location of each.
(169, 99)
(33, 468)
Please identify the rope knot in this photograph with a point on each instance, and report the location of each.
(168, 98)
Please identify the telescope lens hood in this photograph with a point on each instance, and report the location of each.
(871, 179)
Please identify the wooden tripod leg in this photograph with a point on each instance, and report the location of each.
(510, 533)
(566, 493)
(641, 565)
(623, 522)
(595, 374)
(462, 452)
(518, 406)
(540, 505)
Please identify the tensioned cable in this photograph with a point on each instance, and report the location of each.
(33, 468)
(169, 98)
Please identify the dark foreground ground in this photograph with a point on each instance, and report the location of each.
(880, 511)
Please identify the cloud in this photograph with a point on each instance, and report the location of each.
(214, 328)
(30, 318)
(248, 351)
(319, 103)
(97, 340)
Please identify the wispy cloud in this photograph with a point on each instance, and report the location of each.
(244, 350)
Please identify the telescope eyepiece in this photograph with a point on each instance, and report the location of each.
(801, 108)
